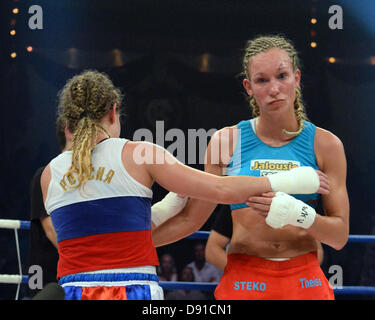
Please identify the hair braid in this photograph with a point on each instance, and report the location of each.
(299, 111)
(84, 101)
(265, 43)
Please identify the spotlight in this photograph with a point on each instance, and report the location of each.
(205, 62)
(13, 55)
(332, 60)
(12, 32)
(29, 49)
(15, 10)
(313, 44)
(314, 21)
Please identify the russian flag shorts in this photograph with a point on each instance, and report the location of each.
(140, 283)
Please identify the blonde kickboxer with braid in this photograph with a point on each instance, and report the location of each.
(99, 196)
(263, 44)
(272, 252)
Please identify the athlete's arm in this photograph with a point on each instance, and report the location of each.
(49, 230)
(46, 222)
(174, 176)
(216, 249)
(45, 180)
(332, 229)
(196, 212)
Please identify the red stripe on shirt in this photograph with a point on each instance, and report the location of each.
(106, 251)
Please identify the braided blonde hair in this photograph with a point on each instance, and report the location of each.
(84, 101)
(265, 43)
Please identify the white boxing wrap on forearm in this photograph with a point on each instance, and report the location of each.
(286, 209)
(167, 208)
(301, 180)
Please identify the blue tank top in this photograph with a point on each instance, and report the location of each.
(252, 157)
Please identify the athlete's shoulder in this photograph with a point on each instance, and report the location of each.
(46, 170)
(140, 145)
(45, 179)
(225, 134)
(38, 173)
(227, 129)
(327, 138)
(222, 145)
(328, 144)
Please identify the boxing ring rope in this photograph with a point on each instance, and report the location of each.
(174, 285)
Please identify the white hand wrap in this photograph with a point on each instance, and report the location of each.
(302, 180)
(167, 208)
(286, 209)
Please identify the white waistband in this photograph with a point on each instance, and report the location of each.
(143, 269)
(109, 284)
(277, 259)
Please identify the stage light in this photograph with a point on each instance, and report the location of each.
(117, 58)
(29, 49)
(15, 10)
(314, 21)
(13, 55)
(205, 62)
(12, 32)
(372, 60)
(332, 60)
(313, 44)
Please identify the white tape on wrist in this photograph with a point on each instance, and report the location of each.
(167, 208)
(286, 209)
(301, 180)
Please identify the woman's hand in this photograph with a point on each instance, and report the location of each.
(324, 182)
(261, 204)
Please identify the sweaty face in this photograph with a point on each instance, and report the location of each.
(272, 81)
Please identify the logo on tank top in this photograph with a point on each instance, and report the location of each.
(100, 174)
(271, 166)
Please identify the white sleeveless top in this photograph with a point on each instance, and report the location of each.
(107, 223)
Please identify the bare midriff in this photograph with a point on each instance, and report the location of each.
(252, 236)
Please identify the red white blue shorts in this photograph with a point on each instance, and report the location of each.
(139, 283)
(253, 278)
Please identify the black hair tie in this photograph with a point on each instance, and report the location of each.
(85, 113)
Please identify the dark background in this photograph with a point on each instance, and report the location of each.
(179, 61)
